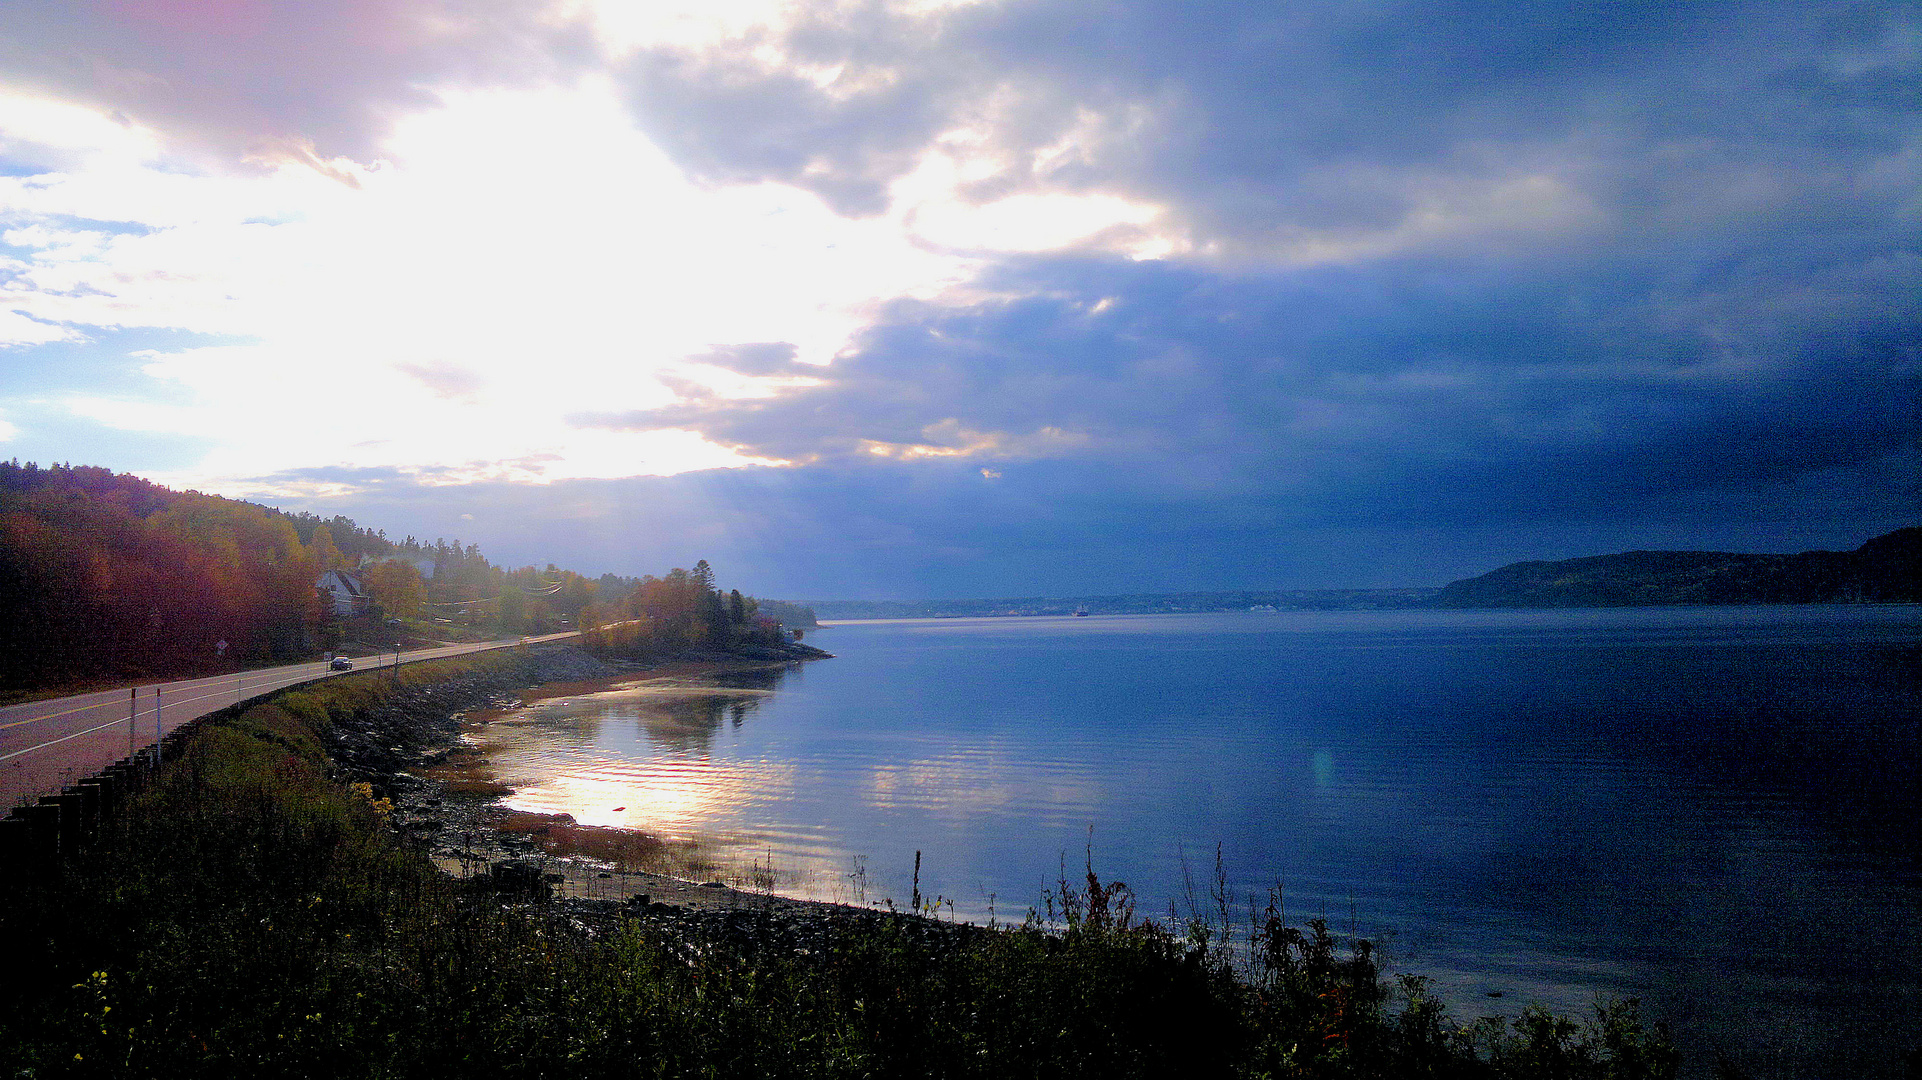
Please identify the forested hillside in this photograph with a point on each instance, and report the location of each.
(106, 577)
(1887, 569)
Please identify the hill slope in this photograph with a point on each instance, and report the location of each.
(1884, 570)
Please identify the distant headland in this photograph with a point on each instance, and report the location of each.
(1886, 570)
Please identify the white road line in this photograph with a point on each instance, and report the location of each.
(271, 682)
(63, 738)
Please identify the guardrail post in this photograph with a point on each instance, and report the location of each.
(84, 800)
(36, 839)
(157, 732)
(73, 821)
(15, 844)
(106, 797)
(127, 774)
(49, 826)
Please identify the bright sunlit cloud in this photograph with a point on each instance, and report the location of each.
(972, 283)
(75, 132)
(519, 256)
(702, 25)
(530, 246)
(933, 205)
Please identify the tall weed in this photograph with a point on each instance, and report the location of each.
(249, 916)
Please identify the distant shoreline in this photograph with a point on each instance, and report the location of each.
(1884, 570)
(1191, 603)
(830, 623)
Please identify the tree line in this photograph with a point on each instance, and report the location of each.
(107, 576)
(683, 610)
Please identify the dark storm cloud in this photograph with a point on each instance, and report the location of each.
(1470, 282)
(1616, 274)
(1257, 121)
(1429, 393)
(870, 529)
(850, 529)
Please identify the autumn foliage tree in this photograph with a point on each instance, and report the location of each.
(105, 576)
(396, 585)
(683, 610)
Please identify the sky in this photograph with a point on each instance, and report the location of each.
(939, 298)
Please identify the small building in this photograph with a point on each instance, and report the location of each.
(344, 591)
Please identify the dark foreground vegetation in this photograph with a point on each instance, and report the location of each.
(251, 915)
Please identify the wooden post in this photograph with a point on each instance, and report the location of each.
(158, 733)
(133, 707)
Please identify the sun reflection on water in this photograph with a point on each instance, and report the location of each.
(636, 758)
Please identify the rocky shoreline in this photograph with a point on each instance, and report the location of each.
(398, 748)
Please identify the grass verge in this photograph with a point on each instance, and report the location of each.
(250, 916)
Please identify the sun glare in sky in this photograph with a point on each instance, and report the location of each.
(986, 290)
(514, 257)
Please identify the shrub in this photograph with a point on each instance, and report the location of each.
(249, 916)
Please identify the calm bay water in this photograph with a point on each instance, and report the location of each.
(1711, 809)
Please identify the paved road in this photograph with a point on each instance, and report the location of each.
(45, 745)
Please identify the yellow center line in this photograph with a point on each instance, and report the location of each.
(58, 715)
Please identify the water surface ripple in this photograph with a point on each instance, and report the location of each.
(1712, 809)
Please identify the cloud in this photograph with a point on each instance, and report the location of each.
(446, 380)
(1058, 527)
(1427, 393)
(464, 298)
(279, 79)
(19, 329)
(755, 358)
(877, 296)
(1313, 133)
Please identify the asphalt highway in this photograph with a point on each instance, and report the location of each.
(46, 745)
